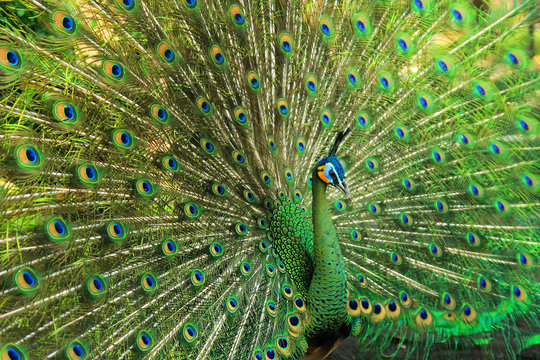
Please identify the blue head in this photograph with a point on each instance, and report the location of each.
(330, 169)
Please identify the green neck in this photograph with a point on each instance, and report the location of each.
(327, 295)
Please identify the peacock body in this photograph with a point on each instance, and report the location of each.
(262, 179)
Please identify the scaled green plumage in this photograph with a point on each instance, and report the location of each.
(165, 188)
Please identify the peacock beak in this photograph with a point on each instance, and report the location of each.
(342, 185)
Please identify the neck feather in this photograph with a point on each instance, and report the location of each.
(328, 289)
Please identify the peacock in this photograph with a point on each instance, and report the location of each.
(262, 179)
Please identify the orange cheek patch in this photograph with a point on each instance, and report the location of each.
(323, 177)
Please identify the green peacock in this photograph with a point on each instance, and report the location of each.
(263, 179)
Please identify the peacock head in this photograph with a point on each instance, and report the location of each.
(330, 169)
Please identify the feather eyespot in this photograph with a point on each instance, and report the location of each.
(148, 283)
(363, 120)
(27, 280)
(362, 24)
(270, 353)
(362, 280)
(241, 116)
(96, 286)
(286, 43)
(216, 249)
(64, 22)
(327, 117)
(57, 230)
(253, 81)
(401, 132)
(404, 44)
(263, 246)
(10, 59)
(297, 194)
(281, 266)
(204, 106)
(126, 4)
(326, 27)
(271, 308)
(265, 177)
(387, 82)
(169, 247)
(372, 164)
(159, 114)
(271, 143)
(441, 206)
(502, 206)
(28, 157)
(423, 318)
(190, 333)
(166, 53)
(122, 139)
(406, 219)
(518, 293)
(197, 277)
(270, 270)
(12, 352)
(365, 306)
(76, 350)
(288, 175)
(144, 188)
(217, 56)
(476, 190)
(219, 189)
(283, 107)
(263, 224)
(116, 231)
(375, 209)
(191, 210)
(169, 163)
(484, 284)
(144, 341)
(191, 4)
(245, 269)
(405, 299)
(299, 304)
(287, 291)
(448, 301)
(237, 15)
(353, 307)
(438, 156)
(87, 174)
(241, 228)
(472, 239)
(525, 260)
(283, 347)
(114, 70)
(65, 112)
(208, 146)
(231, 304)
(353, 78)
(257, 355)
(248, 195)
(355, 235)
(301, 145)
(425, 102)
(395, 258)
(312, 84)
(239, 158)
(393, 310)
(295, 324)
(408, 184)
(435, 250)
(468, 314)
